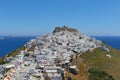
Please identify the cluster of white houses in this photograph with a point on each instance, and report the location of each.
(51, 55)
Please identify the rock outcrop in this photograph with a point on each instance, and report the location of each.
(65, 28)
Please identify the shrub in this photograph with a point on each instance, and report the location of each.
(99, 75)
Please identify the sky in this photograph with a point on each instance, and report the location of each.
(38, 17)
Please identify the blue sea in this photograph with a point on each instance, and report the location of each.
(113, 41)
(8, 44)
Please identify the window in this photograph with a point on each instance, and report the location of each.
(52, 77)
(59, 78)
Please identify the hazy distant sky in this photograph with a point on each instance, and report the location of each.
(36, 17)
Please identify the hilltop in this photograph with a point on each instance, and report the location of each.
(95, 56)
(66, 28)
(72, 43)
(68, 54)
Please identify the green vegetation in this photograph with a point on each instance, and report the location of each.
(13, 54)
(97, 59)
(2, 62)
(99, 75)
(26, 55)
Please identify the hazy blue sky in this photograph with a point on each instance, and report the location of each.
(36, 17)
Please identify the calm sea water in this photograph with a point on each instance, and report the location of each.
(8, 44)
(113, 41)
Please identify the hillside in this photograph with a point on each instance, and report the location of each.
(90, 53)
(11, 54)
(70, 49)
(97, 59)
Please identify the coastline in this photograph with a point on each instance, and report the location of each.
(9, 44)
(13, 54)
(52, 52)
